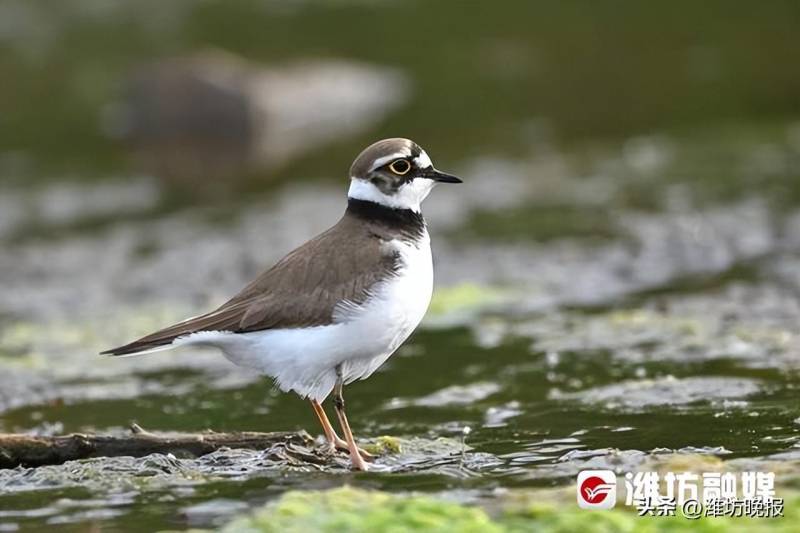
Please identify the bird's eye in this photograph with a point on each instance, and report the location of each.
(400, 167)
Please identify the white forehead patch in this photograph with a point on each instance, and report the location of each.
(388, 158)
(422, 160)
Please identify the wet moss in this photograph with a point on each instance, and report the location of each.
(384, 445)
(355, 510)
(463, 297)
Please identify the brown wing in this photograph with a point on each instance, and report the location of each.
(301, 290)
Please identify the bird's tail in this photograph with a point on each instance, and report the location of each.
(226, 318)
(139, 348)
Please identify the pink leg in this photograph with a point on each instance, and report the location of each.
(338, 402)
(333, 439)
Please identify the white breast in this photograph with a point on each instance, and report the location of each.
(361, 338)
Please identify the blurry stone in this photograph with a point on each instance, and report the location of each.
(453, 395)
(202, 120)
(639, 395)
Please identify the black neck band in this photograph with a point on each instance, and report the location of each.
(406, 221)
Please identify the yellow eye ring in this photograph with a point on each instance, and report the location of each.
(401, 167)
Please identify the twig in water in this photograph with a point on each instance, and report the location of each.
(464, 432)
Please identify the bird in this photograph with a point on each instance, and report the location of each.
(337, 307)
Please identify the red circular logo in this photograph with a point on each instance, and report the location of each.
(594, 490)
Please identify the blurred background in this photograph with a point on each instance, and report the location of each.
(625, 248)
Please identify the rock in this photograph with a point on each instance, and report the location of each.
(212, 117)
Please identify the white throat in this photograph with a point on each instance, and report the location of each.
(408, 196)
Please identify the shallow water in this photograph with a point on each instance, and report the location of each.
(706, 368)
(617, 284)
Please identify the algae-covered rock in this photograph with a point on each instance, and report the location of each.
(384, 445)
(635, 395)
(348, 509)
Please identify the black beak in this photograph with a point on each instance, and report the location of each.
(441, 177)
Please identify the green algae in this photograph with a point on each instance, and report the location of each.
(384, 445)
(356, 510)
(464, 297)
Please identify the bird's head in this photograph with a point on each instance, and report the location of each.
(396, 173)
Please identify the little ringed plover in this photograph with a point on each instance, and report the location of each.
(333, 310)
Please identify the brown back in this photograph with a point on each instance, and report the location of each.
(303, 288)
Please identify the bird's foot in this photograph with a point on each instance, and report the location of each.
(357, 462)
(341, 445)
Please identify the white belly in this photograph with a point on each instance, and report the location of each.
(360, 339)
